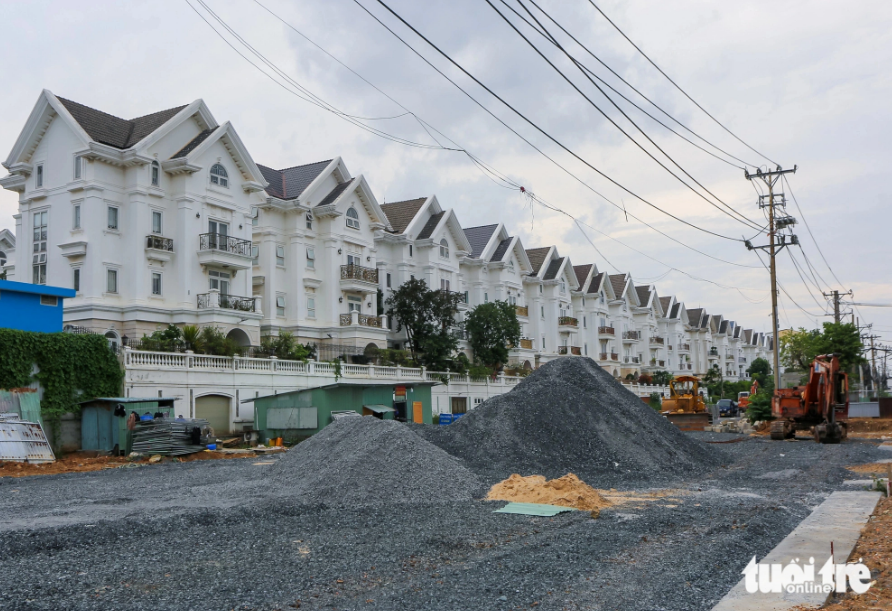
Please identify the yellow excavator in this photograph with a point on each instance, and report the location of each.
(684, 407)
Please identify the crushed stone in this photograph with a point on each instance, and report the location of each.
(570, 415)
(367, 461)
(566, 491)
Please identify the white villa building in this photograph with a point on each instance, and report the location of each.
(167, 219)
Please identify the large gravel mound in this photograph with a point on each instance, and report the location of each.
(572, 416)
(366, 461)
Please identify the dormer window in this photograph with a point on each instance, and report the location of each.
(219, 176)
(563, 286)
(352, 218)
(444, 249)
(601, 294)
(156, 173)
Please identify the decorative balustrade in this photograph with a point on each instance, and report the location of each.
(364, 320)
(522, 310)
(526, 344)
(225, 243)
(714, 352)
(614, 356)
(657, 340)
(576, 350)
(685, 347)
(567, 321)
(562, 349)
(602, 356)
(607, 330)
(631, 359)
(227, 302)
(360, 273)
(633, 335)
(156, 242)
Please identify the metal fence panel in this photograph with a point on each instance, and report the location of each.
(24, 442)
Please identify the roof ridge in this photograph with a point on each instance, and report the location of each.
(108, 114)
(157, 112)
(403, 201)
(480, 226)
(303, 165)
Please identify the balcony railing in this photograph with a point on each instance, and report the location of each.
(614, 356)
(690, 366)
(526, 344)
(522, 310)
(227, 302)
(657, 340)
(567, 321)
(661, 363)
(713, 352)
(634, 335)
(729, 357)
(364, 320)
(563, 349)
(669, 347)
(631, 359)
(741, 359)
(606, 330)
(602, 356)
(156, 242)
(225, 243)
(358, 272)
(685, 347)
(576, 350)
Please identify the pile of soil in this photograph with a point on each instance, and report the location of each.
(566, 491)
(570, 415)
(366, 461)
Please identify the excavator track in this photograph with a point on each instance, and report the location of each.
(782, 429)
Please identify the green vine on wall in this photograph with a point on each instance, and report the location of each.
(72, 368)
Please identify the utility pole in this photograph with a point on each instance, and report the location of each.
(836, 295)
(770, 178)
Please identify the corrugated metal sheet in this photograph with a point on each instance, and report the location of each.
(533, 509)
(24, 441)
(283, 418)
(29, 404)
(864, 410)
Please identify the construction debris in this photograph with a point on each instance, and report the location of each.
(170, 437)
(366, 461)
(566, 491)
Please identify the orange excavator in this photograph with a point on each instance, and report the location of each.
(743, 398)
(821, 406)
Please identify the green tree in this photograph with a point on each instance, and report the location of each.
(844, 341)
(759, 369)
(491, 328)
(760, 403)
(799, 348)
(662, 378)
(428, 318)
(715, 381)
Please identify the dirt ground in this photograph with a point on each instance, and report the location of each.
(875, 547)
(870, 428)
(74, 463)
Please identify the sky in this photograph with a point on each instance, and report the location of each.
(806, 84)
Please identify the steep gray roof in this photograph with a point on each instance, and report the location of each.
(553, 268)
(537, 258)
(675, 310)
(748, 336)
(501, 249)
(431, 224)
(479, 238)
(335, 193)
(289, 183)
(694, 317)
(115, 131)
(664, 303)
(193, 144)
(400, 214)
(643, 294)
(619, 284)
(723, 327)
(596, 283)
(581, 272)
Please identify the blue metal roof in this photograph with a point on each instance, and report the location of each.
(36, 289)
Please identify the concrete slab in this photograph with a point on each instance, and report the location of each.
(858, 482)
(839, 520)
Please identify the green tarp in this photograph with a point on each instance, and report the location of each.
(533, 509)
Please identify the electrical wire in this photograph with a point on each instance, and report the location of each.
(808, 227)
(781, 287)
(652, 63)
(801, 277)
(737, 216)
(526, 119)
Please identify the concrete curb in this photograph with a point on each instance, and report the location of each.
(839, 520)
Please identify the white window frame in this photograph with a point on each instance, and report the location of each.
(388, 280)
(280, 255)
(38, 176)
(109, 215)
(76, 279)
(76, 221)
(155, 174)
(311, 257)
(485, 297)
(219, 176)
(309, 220)
(78, 167)
(280, 305)
(311, 307)
(444, 249)
(255, 216)
(160, 284)
(160, 216)
(255, 254)
(354, 303)
(111, 281)
(352, 220)
(411, 251)
(40, 230)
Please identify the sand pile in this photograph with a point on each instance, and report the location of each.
(366, 461)
(566, 491)
(571, 416)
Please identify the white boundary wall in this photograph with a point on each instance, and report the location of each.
(190, 376)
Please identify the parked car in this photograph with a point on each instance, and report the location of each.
(728, 408)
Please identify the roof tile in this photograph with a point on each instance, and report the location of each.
(115, 131)
(479, 238)
(400, 214)
(581, 272)
(335, 193)
(619, 284)
(290, 183)
(501, 249)
(553, 268)
(537, 258)
(428, 229)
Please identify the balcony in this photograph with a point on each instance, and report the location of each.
(563, 349)
(363, 320)
(614, 356)
(669, 347)
(576, 350)
(729, 357)
(631, 336)
(657, 340)
(159, 248)
(631, 359)
(606, 331)
(713, 353)
(661, 363)
(741, 360)
(602, 356)
(690, 366)
(526, 344)
(226, 302)
(221, 250)
(685, 348)
(567, 321)
(522, 310)
(359, 279)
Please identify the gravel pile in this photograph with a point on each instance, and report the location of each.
(572, 416)
(366, 461)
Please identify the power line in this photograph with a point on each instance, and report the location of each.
(808, 227)
(554, 41)
(652, 63)
(524, 117)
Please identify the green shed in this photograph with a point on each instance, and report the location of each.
(299, 414)
(102, 430)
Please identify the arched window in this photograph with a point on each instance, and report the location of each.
(511, 265)
(219, 175)
(309, 220)
(352, 218)
(156, 173)
(444, 249)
